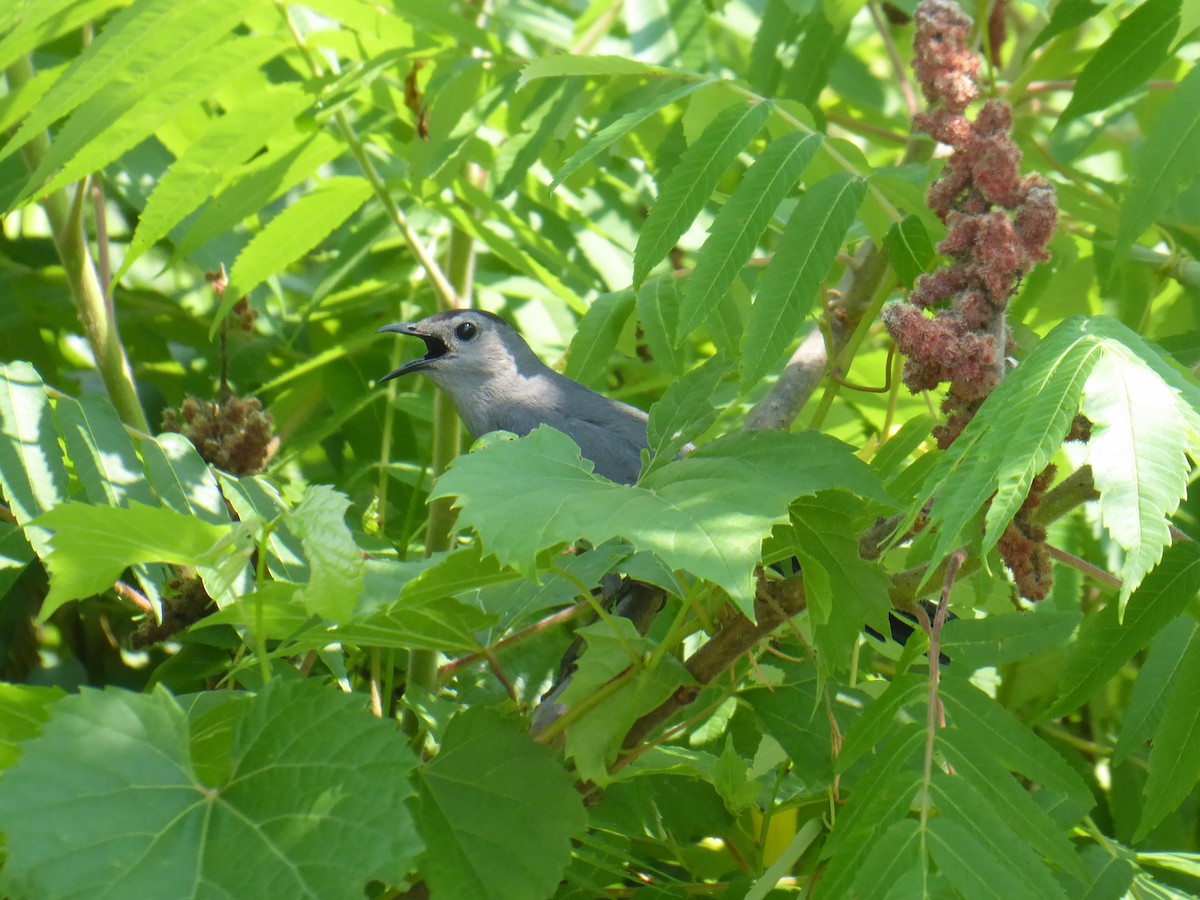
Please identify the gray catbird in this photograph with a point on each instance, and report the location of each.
(497, 383)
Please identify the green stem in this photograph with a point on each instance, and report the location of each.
(70, 240)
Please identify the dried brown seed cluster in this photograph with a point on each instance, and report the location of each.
(998, 226)
(233, 435)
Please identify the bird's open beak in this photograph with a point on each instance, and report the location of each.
(435, 348)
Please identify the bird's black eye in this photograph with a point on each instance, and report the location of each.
(466, 331)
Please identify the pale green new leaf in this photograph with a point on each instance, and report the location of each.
(706, 514)
(182, 480)
(336, 567)
(138, 45)
(291, 234)
(497, 812)
(739, 225)
(596, 337)
(622, 125)
(1174, 763)
(92, 545)
(691, 183)
(206, 164)
(1107, 641)
(1165, 163)
(31, 465)
(1132, 53)
(1142, 435)
(301, 779)
(1157, 675)
(100, 449)
(802, 259)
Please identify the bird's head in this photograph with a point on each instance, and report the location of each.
(464, 349)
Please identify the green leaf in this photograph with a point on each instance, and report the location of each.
(801, 261)
(253, 498)
(898, 852)
(1138, 46)
(1142, 434)
(142, 42)
(300, 779)
(909, 249)
(1156, 677)
(103, 455)
(1106, 641)
(596, 338)
(123, 114)
(740, 223)
(685, 411)
(92, 545)
(31, 465)
(1174, 763)
(968, 865)
(658, 313)
(291, 234)
(46, 20)
(706, 514)
(793, 713)
(336, 568)
(1164, 164)
(497, 812)
(612, 132)
(1010, 742)
(879, 719)
(182, 480)
(692, 181)
(570, 65)
(24, 709)
(1000, 639)
(554, 101)
(205, 165)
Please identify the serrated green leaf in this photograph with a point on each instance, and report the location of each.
(613, 131)
(300, 777)
(596, 337)
(497, 812)
(706, 514)
(142, 42)
(658, 314)
(1174, 762)
(685, 410)
(24, 709)
(254, 497)
(909, 249)
(1011, 742)
(898, 852)
(1155, 679)
(801, 261)
(973, 760)
(1164, 164)
(182, 480)
(31, 465)
(691, 183)
(1106, 641)
(879, 719)
(570, 65)
(92, 545)
(291, 234)
(794, 714)
(1138, 451)
(553, 102)
(265, 178)
(740, 223)
(105, 462)
(206, 164)
(121, 115)
(967, 863)
(336, 567)
(958, 800)
(46, 20)
(613, 645)
(1000, 639)
(1138, 46)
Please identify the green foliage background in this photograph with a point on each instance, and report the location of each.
(668, 198)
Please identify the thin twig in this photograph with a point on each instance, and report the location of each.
(898, 68)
